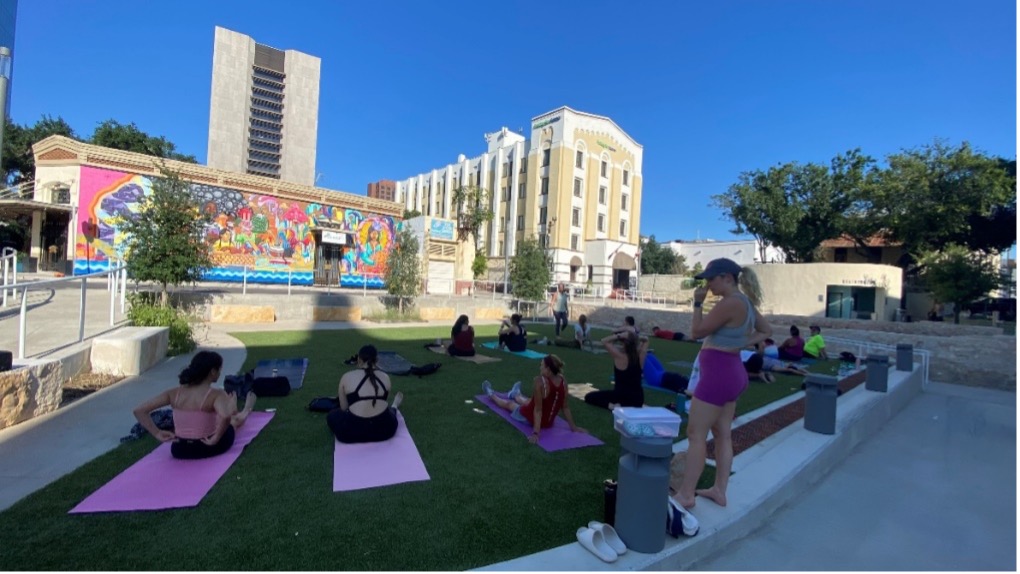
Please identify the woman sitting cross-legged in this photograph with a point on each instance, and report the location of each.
(549, 398)
(626, 372)
(463, 335)
(205, 418)
(513, 336)
(364, 414)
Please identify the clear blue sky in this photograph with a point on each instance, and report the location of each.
(709, 88)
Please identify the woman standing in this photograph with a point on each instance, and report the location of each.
(364, 414)
(733, 324)
(627, 362)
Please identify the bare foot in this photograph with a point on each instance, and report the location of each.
(686, 502)
(712, 494)
(399, 398)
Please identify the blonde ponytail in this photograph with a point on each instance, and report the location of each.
(750, 286)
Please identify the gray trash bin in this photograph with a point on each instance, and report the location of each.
(904, 357)
(820, 403)
(642, 492)
(878, 373)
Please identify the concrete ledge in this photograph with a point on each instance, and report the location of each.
(336, 313)
(438, 313)
(129, 350)
(793, 460)
(241, 314)
(490, 313)
(35, 386)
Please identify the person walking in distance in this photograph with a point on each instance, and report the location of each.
(561, 300)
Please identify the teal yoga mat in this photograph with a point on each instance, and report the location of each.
(527, 353)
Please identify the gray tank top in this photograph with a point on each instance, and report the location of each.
(734, 337)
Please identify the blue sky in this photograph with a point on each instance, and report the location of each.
(709, 89)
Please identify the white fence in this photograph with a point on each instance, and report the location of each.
(864, 348)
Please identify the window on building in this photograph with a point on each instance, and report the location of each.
(579, 159)
(591, 271)
(500, 248)
(623, 202)
(506, 168)
(543, 213)
(577, 186)
(626, 177)
(575, 242)
(520, 223)
(545, 157)
(524, 165)
(602, 222)
(545, 186)
(605, 169)
(505, 193)
(623, 228)
(575, 217)
(521, 190)
(439, 207)
(510, 166)
(602, 194)
(502, 224)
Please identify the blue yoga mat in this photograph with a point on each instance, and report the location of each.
(527, 353)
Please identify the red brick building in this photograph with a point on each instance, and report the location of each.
(383, 189)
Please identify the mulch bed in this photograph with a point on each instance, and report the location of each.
(84, 384)
(753, 432)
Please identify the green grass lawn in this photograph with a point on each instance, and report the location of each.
(492, 496)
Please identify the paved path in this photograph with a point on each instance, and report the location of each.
(935, 489)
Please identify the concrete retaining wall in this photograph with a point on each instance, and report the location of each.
(129, 351)
(35, 386)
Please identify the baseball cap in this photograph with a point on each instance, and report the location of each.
(721, 266)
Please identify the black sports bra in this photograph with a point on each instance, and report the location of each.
(354, 397)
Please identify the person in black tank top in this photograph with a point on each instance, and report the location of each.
(627, 392)
(375, 422)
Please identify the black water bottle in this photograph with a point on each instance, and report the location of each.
(609, 497)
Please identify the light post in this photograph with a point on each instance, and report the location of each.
(5, 75)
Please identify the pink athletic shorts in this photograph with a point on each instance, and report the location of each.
(723, 377)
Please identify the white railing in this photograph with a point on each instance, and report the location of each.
(116, 279)
(866, 347)
(10, 270)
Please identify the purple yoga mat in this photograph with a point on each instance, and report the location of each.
(559, 437)
(368, 465)
(159, 481)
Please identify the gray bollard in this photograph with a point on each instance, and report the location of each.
(642, 492)
(904, 357)
(820, 403)
(878, 373)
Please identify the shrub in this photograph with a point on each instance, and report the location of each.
(144, 313)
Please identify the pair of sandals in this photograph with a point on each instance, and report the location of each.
(601, 540)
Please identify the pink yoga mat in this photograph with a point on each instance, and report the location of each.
(159, 481)
(560, 437)
(368, 465)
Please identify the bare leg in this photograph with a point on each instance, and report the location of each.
(521, 399)
(505, 404)
(237, 419)
(723, 455)
(703, 415)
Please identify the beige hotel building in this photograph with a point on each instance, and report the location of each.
(574, 184)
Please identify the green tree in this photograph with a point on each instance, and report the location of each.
(403, 271)
(164, 241)
(410, 214)
(657, 258)
(472, 212)
(18, 160)
(529, 271)
(480, 265)
(697, 268)
(128, 137)
(958, 275)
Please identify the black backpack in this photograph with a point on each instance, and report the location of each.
(324, 404)
(425, 369)
(271, 386)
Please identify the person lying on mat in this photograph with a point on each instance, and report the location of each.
(582, 335)
(627, 363)
(549, 398)
(667, 334)
(364, 414)
(463, 338)
(513, 336)
(205, 418)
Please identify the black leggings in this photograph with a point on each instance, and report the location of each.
(455, 352)
(350, 428)
(560, 316)
(603, 398)
(190, 449)
(512, 341)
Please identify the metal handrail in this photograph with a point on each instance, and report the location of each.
(117, 277)
(868, 346)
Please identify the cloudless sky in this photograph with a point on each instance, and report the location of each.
(709, 88)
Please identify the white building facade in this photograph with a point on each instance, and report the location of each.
(743, 251)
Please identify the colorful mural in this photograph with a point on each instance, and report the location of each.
(273, 237)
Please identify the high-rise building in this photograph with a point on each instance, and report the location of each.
(575, 185)
(8, 21)
(264, 113)
(383, 189)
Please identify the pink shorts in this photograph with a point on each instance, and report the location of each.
(723, 377)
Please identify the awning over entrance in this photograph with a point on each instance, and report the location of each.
(15, 207)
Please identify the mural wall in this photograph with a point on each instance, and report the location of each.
(273, 237)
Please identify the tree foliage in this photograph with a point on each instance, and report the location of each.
(472, 211)
(657, 258)
(529, 271)
(164, 241)
(959, 275)
(18, 161)
(410, 214)
(128, 137)
(480, 265)
(403, 273)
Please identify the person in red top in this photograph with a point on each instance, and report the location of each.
(549, 398)
(666, 334)
(463, 334)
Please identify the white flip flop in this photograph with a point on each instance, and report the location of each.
(594, 542)
(610, 536)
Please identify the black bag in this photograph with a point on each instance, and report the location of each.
(271, 386)
(847, 357)
(324, 404)
(425, 369)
